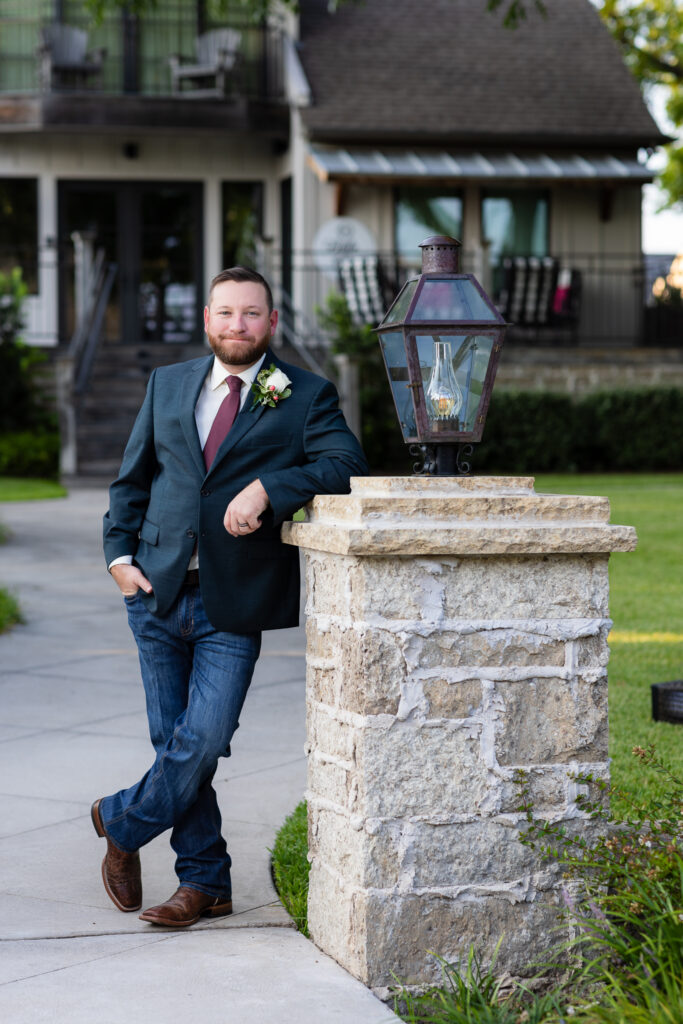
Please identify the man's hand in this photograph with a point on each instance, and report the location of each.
(242, 514)
(129, 579)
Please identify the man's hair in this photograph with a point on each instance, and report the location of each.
(242, 274)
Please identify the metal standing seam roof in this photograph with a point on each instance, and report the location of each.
(333, 163)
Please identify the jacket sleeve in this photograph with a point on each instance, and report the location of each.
(129, 494)
(333, 456)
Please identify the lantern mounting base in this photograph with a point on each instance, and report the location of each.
(442, 459)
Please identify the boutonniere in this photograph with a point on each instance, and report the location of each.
(270, 387)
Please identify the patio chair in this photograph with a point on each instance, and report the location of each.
(64, 59)
(216, 57)
(366, 287)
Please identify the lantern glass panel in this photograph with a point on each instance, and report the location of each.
(453, 369)
(451, 299)
(397, 311)
(394, 352)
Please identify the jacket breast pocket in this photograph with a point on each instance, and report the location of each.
(149, 532)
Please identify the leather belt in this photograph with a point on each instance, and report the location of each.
(192, 578)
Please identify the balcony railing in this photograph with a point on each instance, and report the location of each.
(137, 55)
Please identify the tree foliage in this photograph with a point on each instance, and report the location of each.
(650, 36)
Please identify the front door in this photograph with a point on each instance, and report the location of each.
(153, 232)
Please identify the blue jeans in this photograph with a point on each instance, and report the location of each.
(195, 680)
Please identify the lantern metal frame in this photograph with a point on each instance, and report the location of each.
(440, 263)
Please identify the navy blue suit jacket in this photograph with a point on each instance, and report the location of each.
(164, 501)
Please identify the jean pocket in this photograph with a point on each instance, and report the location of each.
(129, 598)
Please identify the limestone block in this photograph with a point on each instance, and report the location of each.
(554, 586)
(330, 780)
(484, 648)
(396, 589)
(452, 699)
(414, 769)
(330, 736)
(462, 855)
(336, 919)
(435, 924)
(328, 582)
(322, 637)
(363, 858)
(591, 651)
(321, 680)
(549, 790)
(372, 670)
(552, 720)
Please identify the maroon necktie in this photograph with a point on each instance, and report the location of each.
(225, 417)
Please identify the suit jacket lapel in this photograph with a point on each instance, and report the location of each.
(192, 385)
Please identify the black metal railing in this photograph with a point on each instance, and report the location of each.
(613, 303)
(616, 303)
(136, 54)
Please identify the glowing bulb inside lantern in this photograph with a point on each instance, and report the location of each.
(443, 392)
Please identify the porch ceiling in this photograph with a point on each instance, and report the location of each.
(405, 165)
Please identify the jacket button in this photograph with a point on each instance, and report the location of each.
(205, 493)
(190, 533)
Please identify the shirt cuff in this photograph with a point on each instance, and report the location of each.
(121, 560)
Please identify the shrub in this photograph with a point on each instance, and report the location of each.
(22, 407)
(534, 432)
(30, 454)
(628, 907)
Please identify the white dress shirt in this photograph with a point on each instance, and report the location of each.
(214, 390)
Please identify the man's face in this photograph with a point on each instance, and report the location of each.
(238, 324)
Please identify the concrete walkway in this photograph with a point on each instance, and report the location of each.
(73, 727)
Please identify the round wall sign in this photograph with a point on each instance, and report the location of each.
(340, 237)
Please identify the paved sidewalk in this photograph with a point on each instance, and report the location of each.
(73, 727)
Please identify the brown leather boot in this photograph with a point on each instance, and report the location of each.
(185, 907)
(120, 870)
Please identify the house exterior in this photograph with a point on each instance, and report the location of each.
(176, 150)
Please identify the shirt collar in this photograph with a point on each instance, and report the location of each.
(218, 373)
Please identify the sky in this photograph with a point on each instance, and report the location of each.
(663, 231)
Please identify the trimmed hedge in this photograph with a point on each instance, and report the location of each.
(30, 453)
(531, 432)
(608, 431)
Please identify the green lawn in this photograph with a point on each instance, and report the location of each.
(646, 604)
(14, 488)
(20, 489)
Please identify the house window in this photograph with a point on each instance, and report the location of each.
(19, 228)
(515, 223)
(242, 222)
(421, 212)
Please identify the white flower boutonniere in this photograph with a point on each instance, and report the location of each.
(270, 387)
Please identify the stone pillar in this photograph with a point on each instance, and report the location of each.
(457, 630)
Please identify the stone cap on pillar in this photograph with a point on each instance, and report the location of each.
(406, 516)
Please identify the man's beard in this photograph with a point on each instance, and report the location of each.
(239, 351)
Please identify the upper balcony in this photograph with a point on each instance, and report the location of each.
(171, 71)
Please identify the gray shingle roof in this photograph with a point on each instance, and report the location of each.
(435, 70)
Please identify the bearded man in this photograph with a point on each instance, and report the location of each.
(224, 449)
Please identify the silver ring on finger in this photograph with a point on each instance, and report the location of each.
(243, 526)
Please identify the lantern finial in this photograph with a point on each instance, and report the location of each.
(440, 255)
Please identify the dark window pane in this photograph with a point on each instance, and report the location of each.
(19, 228)
(516, 223)
(242, 221)
(421, 212)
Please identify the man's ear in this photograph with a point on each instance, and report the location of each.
(206, 319)
(273, 322)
